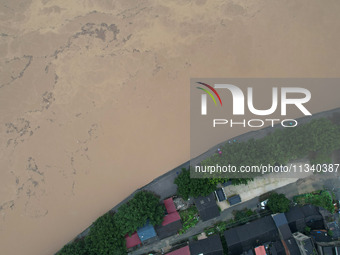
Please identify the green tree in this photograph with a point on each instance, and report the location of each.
(142, 207)
(105, 237)
(187, 187)
(278, 203)
(74, 248)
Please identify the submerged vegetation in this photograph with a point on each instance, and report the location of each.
(316, 140)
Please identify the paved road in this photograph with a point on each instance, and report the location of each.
(309, 184)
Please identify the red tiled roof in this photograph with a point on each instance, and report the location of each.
(182, 251)
(132, 241)
(169, 218)
(260, 250)
(169, 205)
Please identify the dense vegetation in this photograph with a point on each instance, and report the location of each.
(104, 238)
(107, 232)
(195, 187)
(319, 198)
(315, 139)
(142, 207)
(278, 203)
(191, 187)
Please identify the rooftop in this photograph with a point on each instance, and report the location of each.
(220, 194)
(255, 233)
(169, 205)
(280, 219)
(260, 250)
(207, 207)
(132, 241)
(171, 221)
(182, 251)
(146, 232)
(209, 246)
(234, 200)
(292, 246)
(169, 229)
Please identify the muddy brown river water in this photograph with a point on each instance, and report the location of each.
(94, 95)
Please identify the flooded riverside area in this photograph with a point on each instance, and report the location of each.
(95, 102)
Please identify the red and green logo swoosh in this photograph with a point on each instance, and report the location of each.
(209, 93)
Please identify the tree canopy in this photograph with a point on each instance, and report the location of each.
(187, 187)
(104, 238)
(107, 233)
(143, 206)
(278, 203)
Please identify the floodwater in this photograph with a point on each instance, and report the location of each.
(94, 95)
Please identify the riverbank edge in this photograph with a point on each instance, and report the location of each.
(169, 176)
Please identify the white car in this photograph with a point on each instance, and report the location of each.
(263, 204)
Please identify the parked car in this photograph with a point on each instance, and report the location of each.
(262, 205)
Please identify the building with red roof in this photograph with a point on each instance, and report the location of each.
(170, 205)
(260, 250)
(171, 222)
(182, 251)
(132, 241)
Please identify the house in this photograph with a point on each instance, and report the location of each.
(171, 222)
(233, 200)
(320, 236)
(282, 225)
(304, 243)
(220, 195)
(182, 251)
(207, 207)
(287, 239)
(147, 233)
(291, 246)
(296, 219)
(208, 246)
(313, 218)
(132, 241)
(245, 237)
(308, 215)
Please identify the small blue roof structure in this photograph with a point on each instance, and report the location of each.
(220, 194)
(280, 219)
(234, 199)
(146, 232)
